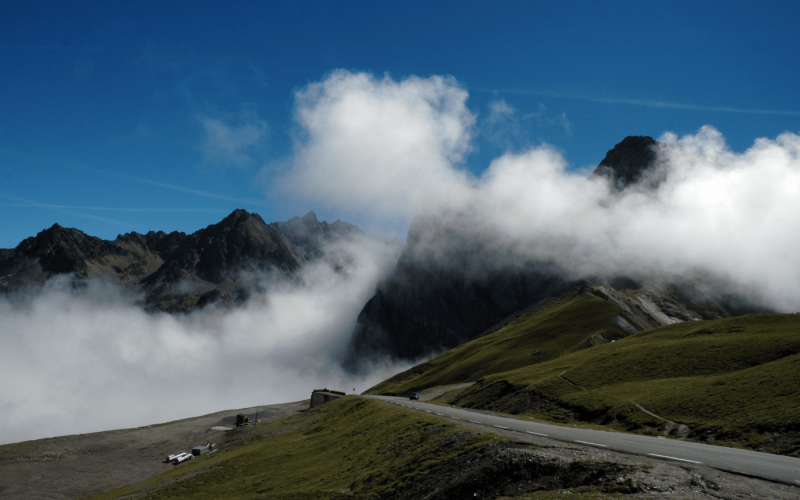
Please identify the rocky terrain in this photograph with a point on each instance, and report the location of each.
(430, 303)
(177, 272)
(628, 162)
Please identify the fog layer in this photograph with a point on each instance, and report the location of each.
(89, 360)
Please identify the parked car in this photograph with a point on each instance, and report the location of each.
(414, 396)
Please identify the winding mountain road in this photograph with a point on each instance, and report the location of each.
(751, 463)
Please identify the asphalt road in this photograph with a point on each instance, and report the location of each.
(762, 465)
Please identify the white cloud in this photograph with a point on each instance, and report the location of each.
(506, 128)
(734, 215)
(543, 120)
(379, 145)
(234, 143)
(499, 110)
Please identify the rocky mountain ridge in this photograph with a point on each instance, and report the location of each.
(177, 272)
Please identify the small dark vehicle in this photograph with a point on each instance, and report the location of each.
(414, 396)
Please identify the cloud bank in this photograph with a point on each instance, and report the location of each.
(394, 148)
(90, 360)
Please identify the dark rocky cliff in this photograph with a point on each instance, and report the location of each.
(239, 242)
(448, 286)
(58, 250)
(627, 163)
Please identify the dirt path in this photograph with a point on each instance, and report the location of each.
(435, 392)
(86, 464)
(682, 430)
(561, 376)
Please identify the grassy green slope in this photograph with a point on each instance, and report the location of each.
(357, 448)
(557, 329)
(735, 380)
(348, 446)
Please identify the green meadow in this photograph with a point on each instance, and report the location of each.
(352, 446)
(733, 381)
(556, 329)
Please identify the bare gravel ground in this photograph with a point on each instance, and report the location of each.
(86, 464)
(653, 478)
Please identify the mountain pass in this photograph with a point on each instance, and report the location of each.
(751, 463)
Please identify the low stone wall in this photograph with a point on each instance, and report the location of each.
(322, 396)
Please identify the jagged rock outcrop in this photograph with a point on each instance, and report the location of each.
(628, 161)
(60, 250)
(222, 263)
(206, 266)
(305, 236)
(448, 286)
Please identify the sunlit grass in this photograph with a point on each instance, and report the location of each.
(735, 380)
(346, 446)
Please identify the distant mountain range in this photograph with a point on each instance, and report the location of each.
(178, 272)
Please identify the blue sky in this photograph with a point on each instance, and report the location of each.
(119, 117)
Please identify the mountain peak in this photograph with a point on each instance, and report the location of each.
(310, 217)
(238, 215)
(627, 161)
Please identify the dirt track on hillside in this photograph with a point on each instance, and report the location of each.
(87, 464)
(435, 392)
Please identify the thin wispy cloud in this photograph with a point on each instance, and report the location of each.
(233, 143)
(73, 213)
(542, 119)
(510, 130)
(85, 168)
(647, 103)
(76, 211)
(22, 202)
(112, 209)
(183, 189)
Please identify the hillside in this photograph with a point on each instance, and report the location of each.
(732, 380)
